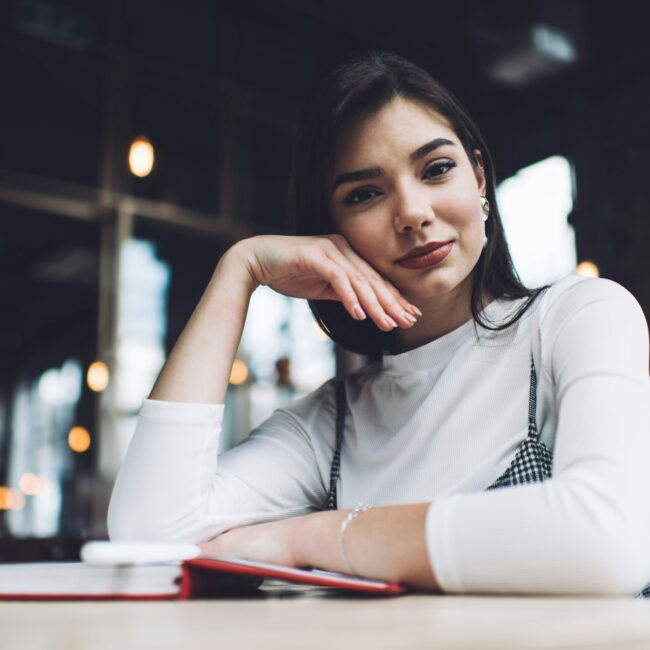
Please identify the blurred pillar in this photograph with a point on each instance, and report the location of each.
(117, 227)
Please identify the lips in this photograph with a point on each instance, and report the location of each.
(422, 250)
(427, 260)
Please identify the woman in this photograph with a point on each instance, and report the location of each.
(477, 383)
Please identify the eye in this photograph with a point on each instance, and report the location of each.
(359, 196)
(439, 168)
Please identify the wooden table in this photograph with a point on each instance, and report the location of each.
(311, 619)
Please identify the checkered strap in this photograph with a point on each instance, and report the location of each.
(336, 462)
(533, 461)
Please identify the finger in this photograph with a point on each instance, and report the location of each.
(387, 308)
(374, 304)
(354, 292)
(366, 296)
(394, 308)
(382, 284)
(408, 306)
(374, 277)
(338, 279)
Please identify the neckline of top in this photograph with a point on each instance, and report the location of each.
(434, 352)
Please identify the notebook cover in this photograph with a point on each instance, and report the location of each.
(196, 577)
(31, 597)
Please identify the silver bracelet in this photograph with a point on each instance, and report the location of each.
(358, 509)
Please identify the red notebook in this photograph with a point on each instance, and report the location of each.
(199, 571)
(140, 579)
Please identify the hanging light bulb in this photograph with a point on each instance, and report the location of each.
(6, 497)
(79, 439)
(97, 376)
(588, 269)
(239, 372)
(141, 157)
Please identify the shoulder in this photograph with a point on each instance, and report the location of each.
(604, 299)
(580, 289)
(309, 408)
(595, 323)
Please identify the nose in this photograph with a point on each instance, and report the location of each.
(413, 210)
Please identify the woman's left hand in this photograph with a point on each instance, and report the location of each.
(276, 542)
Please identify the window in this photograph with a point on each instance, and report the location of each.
(534, 205)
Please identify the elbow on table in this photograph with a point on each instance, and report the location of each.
(126, 522)
(128, 527)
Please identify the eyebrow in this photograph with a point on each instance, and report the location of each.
(375, 172)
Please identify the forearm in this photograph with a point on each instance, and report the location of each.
(198, 367)
(384, 543)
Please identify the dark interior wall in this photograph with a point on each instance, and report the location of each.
(609, 146)
(49, 268)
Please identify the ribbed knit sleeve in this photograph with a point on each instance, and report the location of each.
(172, 486)
(587, 529)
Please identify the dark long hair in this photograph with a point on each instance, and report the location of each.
(356, 89)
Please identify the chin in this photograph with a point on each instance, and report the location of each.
(429, 287)
(424, 290)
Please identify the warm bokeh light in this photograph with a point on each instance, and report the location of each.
(141, 157)
(588, 269)
(239, 372)
(30, 484)
(11, 499)
(6, 497)
(97, 376)
(79, 439)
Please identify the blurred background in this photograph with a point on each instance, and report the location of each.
(139, 140)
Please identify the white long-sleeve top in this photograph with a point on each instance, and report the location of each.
(439, 424)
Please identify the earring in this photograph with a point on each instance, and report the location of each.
(485, 241)
(485, 204)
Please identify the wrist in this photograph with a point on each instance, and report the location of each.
(315, 543)
(355, 512)
(240, 257)
(307, 530)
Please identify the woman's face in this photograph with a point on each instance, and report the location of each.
(402, 179)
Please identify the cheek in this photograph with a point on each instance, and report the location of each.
(364, 240)
(474, 233)
(469, 217)
(369, 242)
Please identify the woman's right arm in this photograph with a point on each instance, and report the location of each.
(198, 367)
(171, 485)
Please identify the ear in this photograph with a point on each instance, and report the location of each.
(479, 172)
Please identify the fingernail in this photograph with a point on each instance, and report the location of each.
(410, 317)
(358, 312)
(415, 310)
(390, 321)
